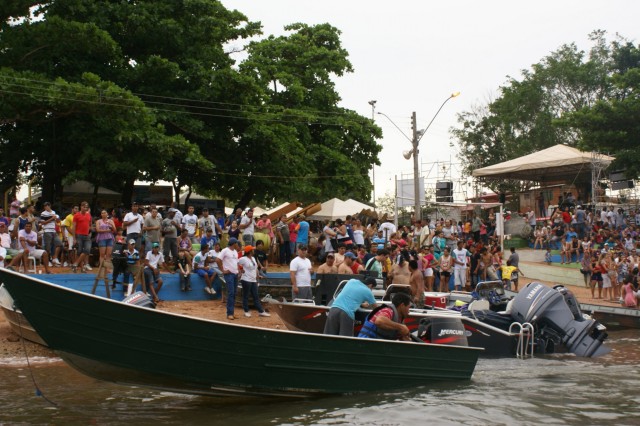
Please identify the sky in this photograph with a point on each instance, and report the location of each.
(411, 55)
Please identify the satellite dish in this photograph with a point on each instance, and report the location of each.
(407, 154)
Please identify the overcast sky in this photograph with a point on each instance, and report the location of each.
(411, 55)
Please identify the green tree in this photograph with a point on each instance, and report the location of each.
(612, 125)
(301, 144)
(528, 115)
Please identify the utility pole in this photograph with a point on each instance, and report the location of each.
(416, 177)
(373, 166)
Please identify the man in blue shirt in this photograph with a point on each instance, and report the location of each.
(209, 239)
(341, 316)
(303, 232)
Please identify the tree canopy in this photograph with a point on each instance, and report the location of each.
(587, 100)
(113, 92)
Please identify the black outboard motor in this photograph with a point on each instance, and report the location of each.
(442, 331)
(556, 314)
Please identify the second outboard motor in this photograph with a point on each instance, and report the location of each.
(442, 331)
(556, 314)
(140, 299)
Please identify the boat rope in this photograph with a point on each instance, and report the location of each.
(33, 379)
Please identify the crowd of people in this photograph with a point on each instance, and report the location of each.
(605, 242)
(438, 255)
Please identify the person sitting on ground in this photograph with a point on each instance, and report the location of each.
(184, 268)
(341, 317)
(152, 264)
(328, 267)
(201, 267)
(385, 321)
(28, 241)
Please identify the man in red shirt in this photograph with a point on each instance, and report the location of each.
(82, 236)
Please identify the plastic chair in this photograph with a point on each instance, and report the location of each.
(32, 261)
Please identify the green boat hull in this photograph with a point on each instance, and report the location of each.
(128, 344)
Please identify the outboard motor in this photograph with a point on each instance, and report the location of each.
(442, 331)
(140, 299)
(556, 314)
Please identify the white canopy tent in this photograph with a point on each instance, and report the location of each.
(559, 162)
(338, 209)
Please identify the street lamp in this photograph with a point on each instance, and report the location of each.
(373, 166)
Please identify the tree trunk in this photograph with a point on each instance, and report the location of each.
(127, 192)
(246, 198)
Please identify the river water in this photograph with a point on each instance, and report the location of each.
(556, 390)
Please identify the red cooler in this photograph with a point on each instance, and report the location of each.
(437, 300)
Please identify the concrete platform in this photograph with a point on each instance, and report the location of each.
(533, 266)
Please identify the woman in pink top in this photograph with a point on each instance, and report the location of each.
(106, 230)
(630, 300)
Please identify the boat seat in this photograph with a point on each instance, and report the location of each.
(478, 305)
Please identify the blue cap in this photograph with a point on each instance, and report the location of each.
(232, 241)
(349, 254)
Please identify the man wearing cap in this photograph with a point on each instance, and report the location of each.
(350, 266)
(300, 273)
(341, 317)
(133, 257)
(329, 266)
(133, 221)
(228, 262)
(152, 263)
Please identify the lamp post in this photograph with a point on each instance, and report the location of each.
(415, 140)
(373, 166)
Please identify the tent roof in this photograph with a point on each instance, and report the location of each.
(560, 162)
(357, 206)
(336, 208)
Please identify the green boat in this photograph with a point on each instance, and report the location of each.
(134, 345)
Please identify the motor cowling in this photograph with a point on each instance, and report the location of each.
(442, 331)
(556, 312)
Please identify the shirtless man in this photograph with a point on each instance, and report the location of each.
(417, 284)
(400, 273)
(346, 267)
(329, 266)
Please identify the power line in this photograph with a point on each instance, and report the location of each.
(8, 79)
